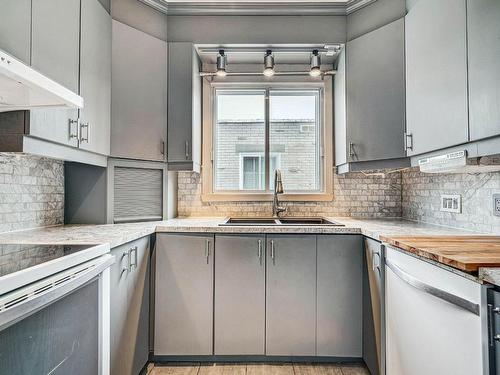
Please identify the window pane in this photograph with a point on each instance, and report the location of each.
(294, 137)
(239, 132)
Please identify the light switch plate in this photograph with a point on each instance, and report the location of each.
(451, 203)
(496, 204)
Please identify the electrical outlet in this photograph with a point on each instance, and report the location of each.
(496, 204)
(451, 203)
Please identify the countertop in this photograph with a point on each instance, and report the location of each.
(118, 234)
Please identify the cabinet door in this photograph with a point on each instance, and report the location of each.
(95, 77)
(373, 315)
(119, 275)
(483, 35)
(291, 295)
(15, 28)
(436, 75)
(184, 295)
(138, 306)
(339, 310)
(56, 53)
(240, 295)
(376, 94)
(139, 94)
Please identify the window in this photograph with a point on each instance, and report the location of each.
(252, 129)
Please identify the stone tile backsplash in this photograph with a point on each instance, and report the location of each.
(31, 192)
(355, 194)
(421, 199)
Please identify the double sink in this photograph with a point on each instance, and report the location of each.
(312, 221)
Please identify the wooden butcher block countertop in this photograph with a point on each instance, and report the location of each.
(466, 253)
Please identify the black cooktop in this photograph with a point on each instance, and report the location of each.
(17, 257)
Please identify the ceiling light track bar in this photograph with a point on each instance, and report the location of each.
(235, 74)
(335, 47)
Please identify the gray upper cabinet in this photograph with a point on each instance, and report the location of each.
(15, 28)
(340, 115)
(95, 77)
(436, 75)
(339, 301)
(291, 295)
(240, 295)
(129, 323)
(139, 94)
(184, 295)
(184, 107)
(55, 52)
(376, 94)
(483, 32)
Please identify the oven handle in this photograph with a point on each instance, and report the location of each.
(432, 290)
(24, 309)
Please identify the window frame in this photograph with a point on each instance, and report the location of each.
(326, 137)
(259, 155)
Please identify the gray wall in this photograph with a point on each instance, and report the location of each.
(257, 29)
(31, 192)
(140, 16)
(373, 16)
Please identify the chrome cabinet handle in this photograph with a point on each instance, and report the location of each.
(272, 251)
(85, 126)
(70, 128)
(207, 250)
(352, 154)
(162, 150)
(133, 250)
(186, 148)
(260, 252)
(375, 265)
(409, 141)
(124, 268)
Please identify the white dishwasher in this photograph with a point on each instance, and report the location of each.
(435, 322)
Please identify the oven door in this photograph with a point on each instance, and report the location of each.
(58, 325)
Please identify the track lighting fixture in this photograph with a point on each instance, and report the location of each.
(315, 64)
(268, 64)
(221, 64)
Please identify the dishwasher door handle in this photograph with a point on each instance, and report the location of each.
(432, 290)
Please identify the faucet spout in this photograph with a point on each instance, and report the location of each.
(278, 189)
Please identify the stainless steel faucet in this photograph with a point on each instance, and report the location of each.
(278, 189)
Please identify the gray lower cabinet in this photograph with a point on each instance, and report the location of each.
(240, 304)
(291, 295)
(139, 94)
(373, 307)
(436, 75)
(184, 294)
(15, 28)
(130, 307)
(184, 107)
(483, 41)
(339, 295)
(55, 52)
(95, 77)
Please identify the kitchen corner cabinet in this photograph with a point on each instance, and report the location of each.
(370, 101)
(483, 37)
(184, 107)
(139, 94)
(240, 306)
(436, 75)
(129, 323)
(184, 294)
(339, 296)
(95, 77)
(15, 28)
(291, 295)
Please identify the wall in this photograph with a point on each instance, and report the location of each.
(421, 199)
(355, 195)
(140, 16)
(31, 192)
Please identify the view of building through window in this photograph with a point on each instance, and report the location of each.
(293, 139)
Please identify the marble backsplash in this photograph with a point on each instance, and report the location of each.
(31, 192)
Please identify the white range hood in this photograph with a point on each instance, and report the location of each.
(458, 162)
(22, 87)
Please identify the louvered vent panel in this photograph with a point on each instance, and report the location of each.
(138, 194)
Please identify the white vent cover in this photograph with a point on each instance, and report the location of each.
(138, 194)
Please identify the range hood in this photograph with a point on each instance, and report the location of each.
(458, 162)
(22, 87)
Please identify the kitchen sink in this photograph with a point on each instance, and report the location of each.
(298, 221)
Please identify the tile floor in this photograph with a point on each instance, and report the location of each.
(259, 369)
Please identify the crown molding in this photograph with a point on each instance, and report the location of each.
(257, 8)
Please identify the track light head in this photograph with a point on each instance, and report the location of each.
(221, 64)
(315, 64)
(268, 64)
